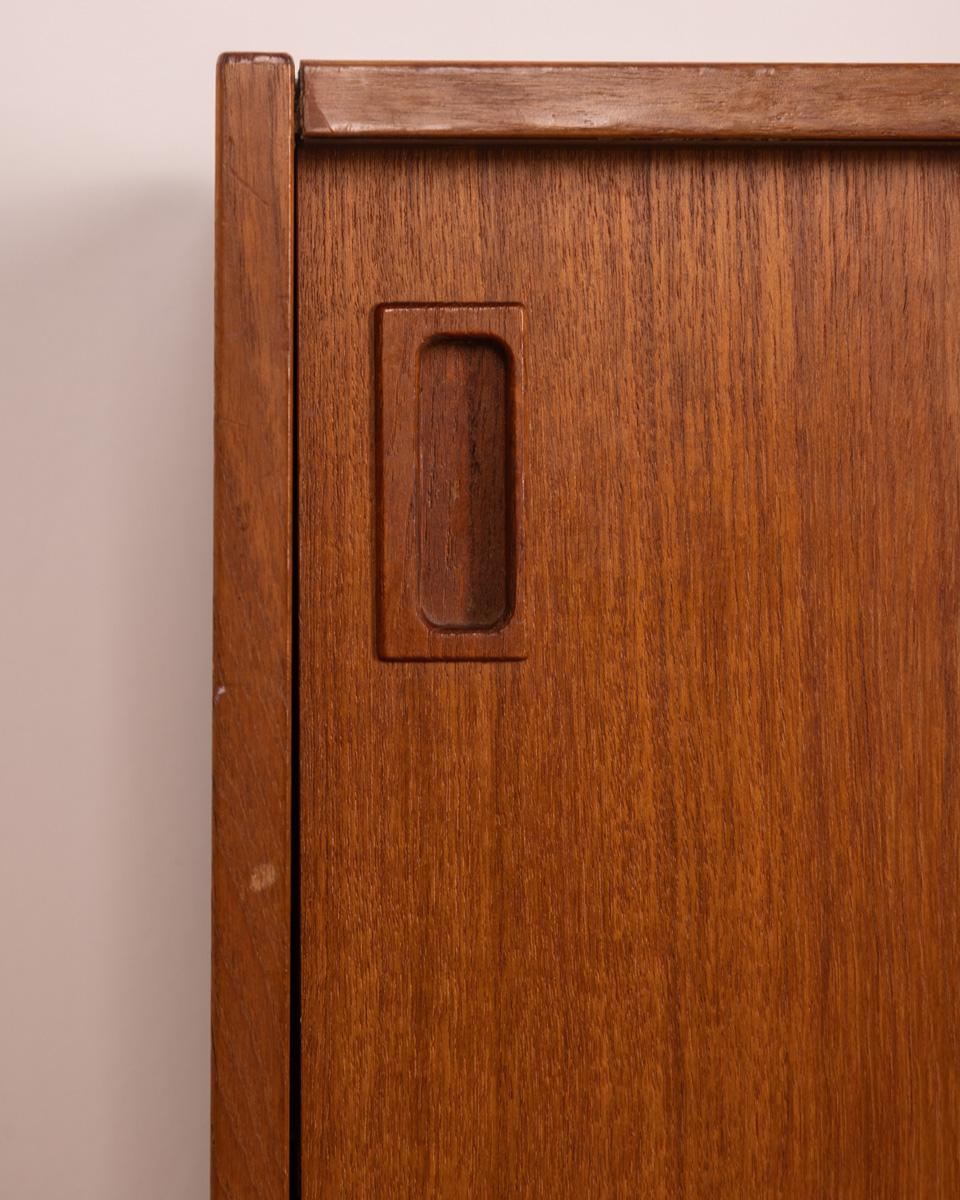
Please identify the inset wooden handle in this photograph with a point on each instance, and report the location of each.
(450, 381)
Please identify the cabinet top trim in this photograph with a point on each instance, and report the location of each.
(617, 101)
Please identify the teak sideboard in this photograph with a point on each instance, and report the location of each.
(587, 599)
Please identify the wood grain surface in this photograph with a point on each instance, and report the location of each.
(670, 908)
(463, 495)
(450, 454)
(730, 101)
(253, 623)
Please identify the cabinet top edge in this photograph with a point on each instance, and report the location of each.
(630, 101)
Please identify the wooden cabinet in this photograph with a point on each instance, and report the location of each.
(586, 685)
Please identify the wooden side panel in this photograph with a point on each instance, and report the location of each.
(253, 616)
(669, 909)
(597, 101)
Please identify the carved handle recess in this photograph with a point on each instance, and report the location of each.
(450, 385)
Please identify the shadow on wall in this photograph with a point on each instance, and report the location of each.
(105, 579)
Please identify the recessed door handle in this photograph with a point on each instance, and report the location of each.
(450, 486)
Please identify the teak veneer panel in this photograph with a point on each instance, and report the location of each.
(253, 628)
(617, 100)
(670, 908)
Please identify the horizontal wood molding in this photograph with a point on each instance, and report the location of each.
(666, 101)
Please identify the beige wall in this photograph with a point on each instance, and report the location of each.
(105, 488)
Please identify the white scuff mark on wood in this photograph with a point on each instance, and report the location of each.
(263, 877)
(221, 691)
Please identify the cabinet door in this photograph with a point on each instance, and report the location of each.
(658, 899)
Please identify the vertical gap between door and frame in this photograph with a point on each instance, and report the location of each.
(295, 963)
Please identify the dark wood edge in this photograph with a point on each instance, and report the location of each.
(618, 101)
(253, 624)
